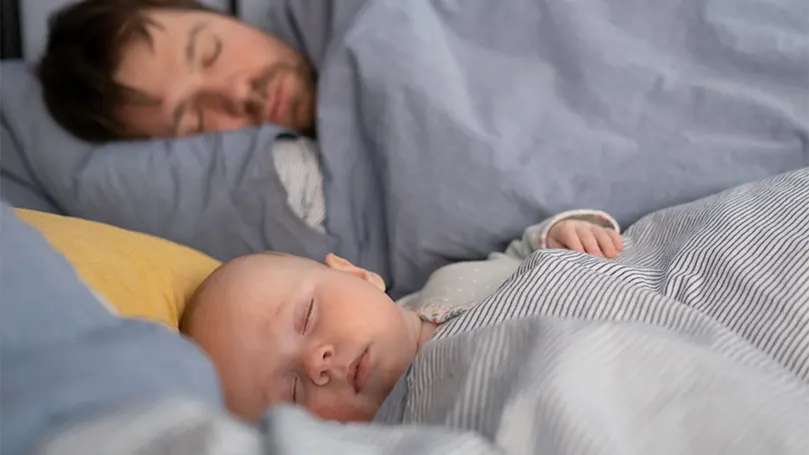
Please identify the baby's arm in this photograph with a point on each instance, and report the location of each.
(591, 231)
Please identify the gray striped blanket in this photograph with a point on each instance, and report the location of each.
(695, 341)
(735, 264)
(706, 309)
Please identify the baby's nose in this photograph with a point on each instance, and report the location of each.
(318, 364)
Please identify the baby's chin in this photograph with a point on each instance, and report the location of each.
(346, 413)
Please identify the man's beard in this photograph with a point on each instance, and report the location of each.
(257, 106)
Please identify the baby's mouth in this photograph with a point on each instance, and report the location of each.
(358, 371)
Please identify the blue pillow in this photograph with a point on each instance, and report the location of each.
(218, 193)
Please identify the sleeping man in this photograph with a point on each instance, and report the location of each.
(505, 113)
(705, 300)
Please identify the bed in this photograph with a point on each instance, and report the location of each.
(608, 104)
(440, 144)
(695, 340)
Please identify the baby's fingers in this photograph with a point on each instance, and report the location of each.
(607, 243)
(588, 240)
(617, 240)
(570, 239)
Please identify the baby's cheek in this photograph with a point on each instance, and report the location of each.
(339, 410)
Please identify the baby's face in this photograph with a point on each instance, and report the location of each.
(282, 329)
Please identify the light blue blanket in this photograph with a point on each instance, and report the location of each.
(447, 127)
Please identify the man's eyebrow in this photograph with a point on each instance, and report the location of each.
(191, 47)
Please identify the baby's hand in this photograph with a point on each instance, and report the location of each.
(585, 237)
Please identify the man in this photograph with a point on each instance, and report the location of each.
(445, 130)
(117, 69)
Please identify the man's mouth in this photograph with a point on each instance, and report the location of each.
(276, 105)
(359, 370)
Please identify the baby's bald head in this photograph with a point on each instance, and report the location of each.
(281, 329)
(211, 294)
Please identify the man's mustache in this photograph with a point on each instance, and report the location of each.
(257, 104)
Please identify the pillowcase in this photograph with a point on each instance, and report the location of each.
(140, 275)
(217, 193)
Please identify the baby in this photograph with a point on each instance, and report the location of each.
(283, 329)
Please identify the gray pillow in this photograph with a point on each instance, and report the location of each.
(218, 193)
(17, 184)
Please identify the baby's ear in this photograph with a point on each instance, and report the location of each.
(337, 263)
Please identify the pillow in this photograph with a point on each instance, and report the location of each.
(17, 185)
(217, 193)
(66, 359)
(140, 275)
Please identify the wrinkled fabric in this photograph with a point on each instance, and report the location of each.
(694, 341)
(447, 127)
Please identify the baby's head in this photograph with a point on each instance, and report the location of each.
(283, 329)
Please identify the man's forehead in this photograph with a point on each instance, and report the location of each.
(142, 75)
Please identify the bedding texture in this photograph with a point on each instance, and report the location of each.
(707, 306)
(66, 357)
(447, 127)
(695, 341)
(138, 275)
(218, 193)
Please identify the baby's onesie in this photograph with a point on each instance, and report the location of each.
(455, 288)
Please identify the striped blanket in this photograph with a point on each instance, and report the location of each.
(698, 332)
(695, 341)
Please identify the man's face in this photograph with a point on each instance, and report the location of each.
(203, 72)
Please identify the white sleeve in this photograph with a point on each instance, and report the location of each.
(535, 237)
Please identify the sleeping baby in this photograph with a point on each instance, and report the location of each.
(283, 329)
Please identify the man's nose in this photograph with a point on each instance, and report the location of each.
(235, 94)
(318, 364)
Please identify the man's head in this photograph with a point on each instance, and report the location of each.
(282, 329)
(116, 69)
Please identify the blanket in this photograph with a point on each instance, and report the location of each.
(707, 307)
(695, 341)
(447, 127)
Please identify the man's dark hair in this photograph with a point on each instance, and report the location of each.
(84, 48)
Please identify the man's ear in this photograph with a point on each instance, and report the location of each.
(337, 263)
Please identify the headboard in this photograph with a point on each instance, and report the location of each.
(23, 24)
(10, 36)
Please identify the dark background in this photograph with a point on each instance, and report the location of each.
(10, 36)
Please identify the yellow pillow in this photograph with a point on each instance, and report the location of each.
(140, 275)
